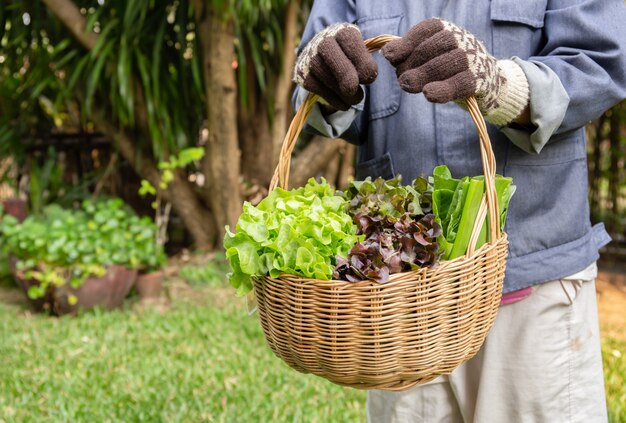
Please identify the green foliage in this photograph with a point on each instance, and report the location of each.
(29, 75)
(146, 188)
(5, 268)
(6, 277)
(299, 232)
(388, 228)
(62, 246)
(147, 63)
(186, 157)
(46, 181)
(166, 175)
(380, 197)
(167, 168)
(144, 62)
(258, 27)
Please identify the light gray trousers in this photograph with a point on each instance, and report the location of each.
(541, 363)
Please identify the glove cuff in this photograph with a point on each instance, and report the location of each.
(303, 63)
(513, 96)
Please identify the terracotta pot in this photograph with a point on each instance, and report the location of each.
(150, 285)
(107, 291)
(15, 207)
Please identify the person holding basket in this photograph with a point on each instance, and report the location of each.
(540, 70)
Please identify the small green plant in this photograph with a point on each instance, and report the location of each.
(62, 246)
(163, 208)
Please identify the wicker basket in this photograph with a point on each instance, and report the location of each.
(419, 325)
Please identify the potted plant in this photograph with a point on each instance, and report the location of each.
(150, 280)
(11, 201)
(66, 259)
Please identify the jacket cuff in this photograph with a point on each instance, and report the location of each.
(548, 104)
(333, 125)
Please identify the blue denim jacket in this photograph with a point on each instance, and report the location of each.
(574, 55)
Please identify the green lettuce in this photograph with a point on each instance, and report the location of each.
(299, 231)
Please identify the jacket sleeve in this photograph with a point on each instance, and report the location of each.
(585, 46)
(339, 124)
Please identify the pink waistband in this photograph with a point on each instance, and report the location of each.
(520, 294)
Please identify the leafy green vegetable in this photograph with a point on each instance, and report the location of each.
(298, 232)
(371, 230)
(456, 203)
(400, 232)
(473, 198)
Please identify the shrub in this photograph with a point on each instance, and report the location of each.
(62, 246)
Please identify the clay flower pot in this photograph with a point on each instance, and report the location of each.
(107, 292)
(150, 285)
(15, 207)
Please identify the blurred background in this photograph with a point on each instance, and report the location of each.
(177, 110)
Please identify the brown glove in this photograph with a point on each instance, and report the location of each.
(447, 63)
(334, 64)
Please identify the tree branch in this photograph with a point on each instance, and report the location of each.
(70, 15)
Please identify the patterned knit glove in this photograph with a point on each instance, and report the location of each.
(334, 63)
(447, 63)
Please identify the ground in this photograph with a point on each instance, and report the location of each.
(611, 289)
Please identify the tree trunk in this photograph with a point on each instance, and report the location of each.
(313, 160)
(283, 83)
(256, 144)
(221, 163)
(254, 132)
(332, 169)
(346, 170)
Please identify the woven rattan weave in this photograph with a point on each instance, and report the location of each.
(392, 336)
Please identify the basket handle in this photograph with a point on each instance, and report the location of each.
(489, 202)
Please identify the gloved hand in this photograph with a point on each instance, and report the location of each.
(334, 64)
(447, 63)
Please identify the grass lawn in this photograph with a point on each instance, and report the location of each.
(614, 358)
(204, 359)
(196, 362)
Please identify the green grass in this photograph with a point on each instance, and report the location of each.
(196, 362)
(193, 363)
(614, 360)
(210, 273)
